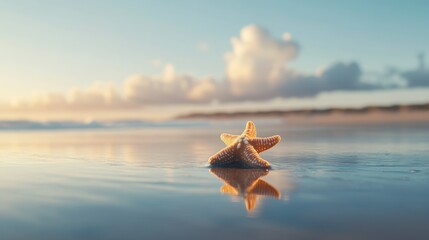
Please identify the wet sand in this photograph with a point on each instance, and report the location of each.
(327, 182)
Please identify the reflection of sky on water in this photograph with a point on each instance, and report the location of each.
(355, 183)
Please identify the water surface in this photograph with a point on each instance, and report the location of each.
(360, 182)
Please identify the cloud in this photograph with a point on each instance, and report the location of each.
(256, 69)
(168, 88)
(416, 78)
(257, 61)
(98, 96)
(340, 76)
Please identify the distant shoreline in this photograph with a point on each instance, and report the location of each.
(379, 115)
(308, 112)
(415, 113)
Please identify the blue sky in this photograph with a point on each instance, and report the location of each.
(56, 45)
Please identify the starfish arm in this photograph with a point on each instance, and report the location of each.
(263, 188)
(251, 157)
(229, 190)
(250, 201)
(250, 129)
(262, 144)
(224, 156)
(228, 139)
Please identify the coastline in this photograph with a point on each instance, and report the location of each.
(396, 114)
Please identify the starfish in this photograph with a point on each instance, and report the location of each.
(245, 183)
(244, 148)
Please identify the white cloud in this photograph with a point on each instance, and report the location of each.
(256, 69)
(257, 61)
(98, 96)
(168, 88)
(203, 90)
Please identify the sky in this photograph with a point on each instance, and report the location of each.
(155, 59)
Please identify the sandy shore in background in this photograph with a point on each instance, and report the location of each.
(400, 117)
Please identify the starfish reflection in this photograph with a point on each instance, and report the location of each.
(246, 183)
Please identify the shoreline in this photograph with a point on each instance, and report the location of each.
(418, 113)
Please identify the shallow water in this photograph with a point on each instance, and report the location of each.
(361, 182)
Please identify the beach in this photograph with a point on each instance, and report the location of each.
(326, 182)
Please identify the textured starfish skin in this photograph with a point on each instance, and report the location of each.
(244, 148)
(245, 183)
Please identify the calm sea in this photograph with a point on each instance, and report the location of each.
(343, 182)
